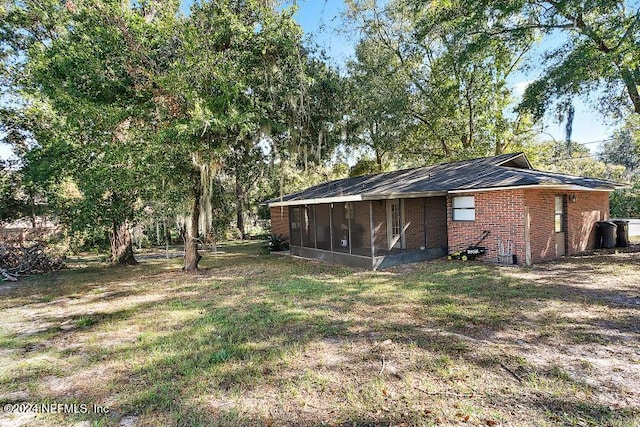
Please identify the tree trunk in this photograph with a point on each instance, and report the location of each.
(468, 142)
(121, 245)
(632, 88)
(306, 157)
(191, 255)
(378, 159)
(33, 211)
(240, 208)
(165, 232)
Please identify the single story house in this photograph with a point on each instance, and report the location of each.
(377, 221)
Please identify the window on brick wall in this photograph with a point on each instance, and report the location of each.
(464, 208)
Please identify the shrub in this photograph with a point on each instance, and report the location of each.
(278, 242)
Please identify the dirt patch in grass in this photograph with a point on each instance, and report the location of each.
(592, 329)
(253, 339)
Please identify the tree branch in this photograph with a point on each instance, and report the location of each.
(517, 60)
(627, 33)
(524, 28)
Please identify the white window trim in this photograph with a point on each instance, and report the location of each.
(467, 208)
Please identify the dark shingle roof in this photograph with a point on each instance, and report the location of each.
(507, 170)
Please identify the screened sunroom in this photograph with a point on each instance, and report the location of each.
(370, 234)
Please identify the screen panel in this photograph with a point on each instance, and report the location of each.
(323, 228)
(340, 226)
(360, 225)
(308, 227)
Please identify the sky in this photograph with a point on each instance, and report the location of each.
(321, 21)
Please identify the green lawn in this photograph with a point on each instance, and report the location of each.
(258, 339)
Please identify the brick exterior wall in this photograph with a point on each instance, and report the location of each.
(413, 224)
(430, 211)
(436, 220)
(280, 220)
(588, 208)
(503, 214)
(500, 212)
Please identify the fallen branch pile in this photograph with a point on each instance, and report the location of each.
(18, 260)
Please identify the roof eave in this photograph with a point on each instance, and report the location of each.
(408, 195)
(566, 187)
(516, 157)
(337, 199)
(358, 198)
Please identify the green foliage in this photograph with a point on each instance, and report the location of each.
(574, 159)
(623, 149)
(602, 52)
(278, 242)
(577, 160)
(366, 166)
(447, 91)
(12, 206)
(86, 92)
(223, 202)
(287, 178)
(379, 103)
(599, 51)
(316, 125)
(624, 146)
(120, 103)
(626, 203)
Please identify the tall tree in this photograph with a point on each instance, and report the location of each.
(378, 113)
(600, 51)
(247, 164)
(91, 66)
(144, 95)
(456, 85)
(231, 54)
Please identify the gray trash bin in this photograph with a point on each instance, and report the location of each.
(622, 233)
(606, 237)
